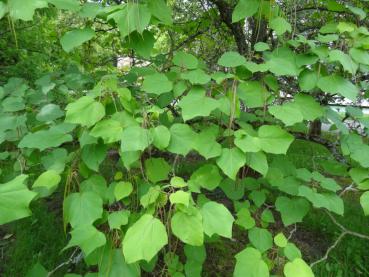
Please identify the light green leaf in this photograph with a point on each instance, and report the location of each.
(283, 62)
(253, 94)
(195, 103)
(142, 44)
(280, 25)
(49, 113)
(245, 8)
(359, 55)
(249, 263)
(309, 108)
(358, 11)
(161, 136)
(157, 83)
(185, 60)
(261, 46)
(24, 9)
(207, 176)
(70, 5)
(334, 84)
(157, 169)
(231, 161)
(82, 208)
(46, 183)
(231, 59)
(206, 144)
(217, 219)
(258, 162)
(144, 239)
(122, 190)
(182, 139)
(161, 11)
(297, 268)
(177, 182)
(273, 139)
(291, 251)
(261, 238)
(75, 38)
(85, 111)
(292, 210)
(244, 219)
(55, 160)
(151, 196)
(196, 77)
(44, 139)
(87, 237)
(135, 138)
(364, 201)
(118, 219)
(3, 11)
(188, 227)
(15, 198)
(345, 60)
(288, 113)
(109, 130)
(280, 240)
(180, 197)
(95, 183)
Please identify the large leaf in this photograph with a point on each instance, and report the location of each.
(195, 103)
(245, 8)
(144, 239)
(217, 219)
(364, 201)
(261, 238)
(75, 38)
(231, 59)
(53, 137)
(14, 200)
(24, 9)
(185, 60)
(161, 11)
(70, 5)
(249, 263)
(157, 84)
(231, 161)
(335, 84)
(46, 183)
(188, 227)
(85, 111)
(182, 139)
(292, 210)
(207, 176)
(93, 155)
(253, 94)
(87, 237)
(135, 138)
(297, 268)
(82, 208)
(157, 169)
(273, 139)
(280, 25)
(109, 130)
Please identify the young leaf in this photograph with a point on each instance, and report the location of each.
(135, 138)
(75, 38)
(182, 139)
(292, 210)
(249, 263)
(231, 161)
(245, 8)
(85, 111)
(157, 84)
(231, 59)
(157, 169)
(188, 228)
(261, 238)
(144, 239)
(297, 268)
(46, 183)
(217, 219)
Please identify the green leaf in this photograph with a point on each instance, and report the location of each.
(359, 55)
(280, 25)
(330, 201)
(185, 60)
(55, 160)
(288, 113)
(132, 17)
(144, 239)
(291, 251)
(161, 136)
(49, 113)
(157, 83)
(15, 198)
(122, 190)
(261, 238)
(161, 11)
(292, 210)
(217, 219)
(95, 183)
(85, 111)
(109, 130)
(82, 208)
(283, 62)
(142, 44)
(196, 77)
(93, 155)
(188, 227)
(345, 60)
(244, 219)
(157, 169)
(358, 11)
(364, 201)
(261, 46)
(180, 197)
(53, 137)
(297, 268)
(245, 8)
(75, 38)
(207, 176)
(177, 182)
(46, 183)
(249, 263)
(206, 144)
(309, 108)
(231, 161)
(24, 9)
(3, 10)
(118, 219)
(151, 196)
(258, 162)
(182, 139)
(135, 138)
(231, 59)
(253, 93)
(335, 84)
(280, 240)
(195, 103)
(87, 237)
(258, 197)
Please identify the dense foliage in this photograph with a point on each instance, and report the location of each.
(192, 141)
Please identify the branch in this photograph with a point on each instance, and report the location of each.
(344, 232)
(72, 260)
